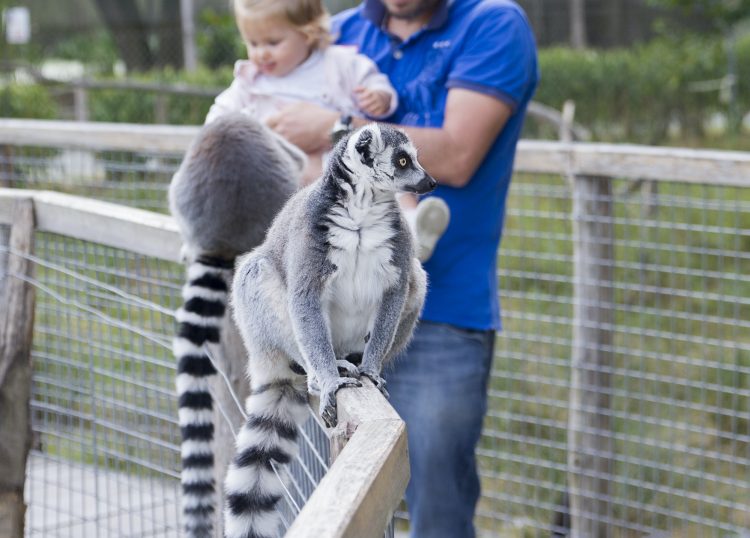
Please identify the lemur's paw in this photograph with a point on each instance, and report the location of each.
(378, 381)
(328, 399)
(312, 386)
(347, 369)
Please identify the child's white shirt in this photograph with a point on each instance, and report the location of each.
(327, 78)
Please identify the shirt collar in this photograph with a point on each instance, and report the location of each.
(375, 12)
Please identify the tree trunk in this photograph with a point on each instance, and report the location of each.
(129, 30)
(169, 32)
(578, 24)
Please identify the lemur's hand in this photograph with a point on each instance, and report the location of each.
(347, 369)
(328, 399)
(378, 381)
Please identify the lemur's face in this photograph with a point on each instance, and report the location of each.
(385, 158)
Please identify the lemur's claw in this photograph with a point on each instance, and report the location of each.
(378, 381)
(328, 410)
(347, 369)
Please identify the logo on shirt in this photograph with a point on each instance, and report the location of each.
(441, 44)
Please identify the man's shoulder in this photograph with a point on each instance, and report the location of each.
(478, 10)
(347, 19)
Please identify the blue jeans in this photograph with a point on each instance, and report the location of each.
(439, 388)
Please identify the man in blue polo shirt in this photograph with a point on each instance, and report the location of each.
(465, 71)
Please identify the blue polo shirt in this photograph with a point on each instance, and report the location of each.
(481, 45)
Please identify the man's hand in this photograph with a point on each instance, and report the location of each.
(372, 102)
(305, 125)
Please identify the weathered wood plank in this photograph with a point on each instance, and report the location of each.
(97, 135)
(628, 161)
(709, 167)
(589, 413)
(358, 495)
(16, 329)
(136, 230)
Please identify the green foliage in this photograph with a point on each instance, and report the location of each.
(219, 43)
(622, 95)
(633, 94)
(139, 106)
(723, 13)
(97, 50)
(25, 101)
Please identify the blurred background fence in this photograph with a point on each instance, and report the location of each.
(620, 392)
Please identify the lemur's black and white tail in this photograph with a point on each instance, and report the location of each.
(268, 438)
(199, 322)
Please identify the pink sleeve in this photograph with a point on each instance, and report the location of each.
(233, 99)
(365, 73)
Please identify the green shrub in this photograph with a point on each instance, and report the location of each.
(218, 40)
(134, 106)
(633, 94)
(96, 49)
(26, 101)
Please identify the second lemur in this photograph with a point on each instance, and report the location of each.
(232, 182)
(336, 277)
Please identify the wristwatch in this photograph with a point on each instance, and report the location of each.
(341, 128)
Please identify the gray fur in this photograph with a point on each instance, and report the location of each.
(336, 277)
(235, 177)
(282, 294)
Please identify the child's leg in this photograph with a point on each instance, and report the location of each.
(408, 204)
(428, 221)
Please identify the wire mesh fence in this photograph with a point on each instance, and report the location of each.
(678, 389)
(105, 459)
(106, 454)
(676, 384)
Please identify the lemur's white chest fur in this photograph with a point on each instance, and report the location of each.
(361, 246)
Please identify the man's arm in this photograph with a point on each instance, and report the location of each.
(451, 154)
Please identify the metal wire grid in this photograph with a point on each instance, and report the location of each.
(680, 390)
(133, 179)
(681, 358)
(105, 460)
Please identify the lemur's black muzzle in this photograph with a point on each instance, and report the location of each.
(425, 185)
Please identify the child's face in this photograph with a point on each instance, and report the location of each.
(274, 46)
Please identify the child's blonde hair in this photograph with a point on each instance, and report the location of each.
(309, 16)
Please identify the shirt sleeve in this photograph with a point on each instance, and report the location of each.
(235, 97)
(364, 72)
(230, 100)
(498, 56)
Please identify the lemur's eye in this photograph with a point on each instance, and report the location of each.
(403, 161)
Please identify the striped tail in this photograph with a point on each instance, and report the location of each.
(199, 321)
(267, 439)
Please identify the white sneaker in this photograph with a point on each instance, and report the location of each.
(432, 220)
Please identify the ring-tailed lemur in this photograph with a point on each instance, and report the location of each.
(234, 178)
(335, 277)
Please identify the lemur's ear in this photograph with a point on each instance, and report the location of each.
(364, 146)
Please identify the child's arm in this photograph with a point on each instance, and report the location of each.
(374, 103)
(373, 92)
(234, 98)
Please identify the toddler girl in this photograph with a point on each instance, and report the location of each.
(290, 59)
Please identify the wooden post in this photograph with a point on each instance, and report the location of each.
(160, 109)
(16, 329)
(80, 103)
(589, 419)
(231, 358)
